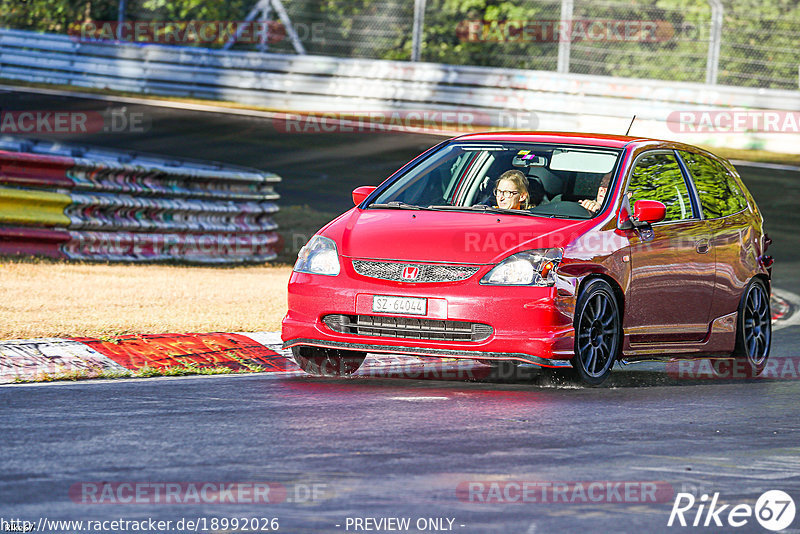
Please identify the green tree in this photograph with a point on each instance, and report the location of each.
(760, 38)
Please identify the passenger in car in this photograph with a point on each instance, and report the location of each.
(602, 189)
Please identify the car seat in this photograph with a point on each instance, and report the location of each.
(552, 184)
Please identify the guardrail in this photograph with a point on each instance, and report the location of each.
(104, 205)
(315, 83)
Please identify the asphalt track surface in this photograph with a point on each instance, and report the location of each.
(385, 447)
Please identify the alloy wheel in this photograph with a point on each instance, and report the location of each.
(597, 331)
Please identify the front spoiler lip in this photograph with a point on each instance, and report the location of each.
(419, 351)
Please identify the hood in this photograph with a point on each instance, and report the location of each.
(445, 236)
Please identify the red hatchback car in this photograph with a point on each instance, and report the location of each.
(620, 249)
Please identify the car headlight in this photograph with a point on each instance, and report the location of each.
(318, 256)
(529, 268)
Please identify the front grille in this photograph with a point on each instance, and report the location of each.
(385, 270)
(407, 327)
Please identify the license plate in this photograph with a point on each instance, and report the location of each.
(406, 305)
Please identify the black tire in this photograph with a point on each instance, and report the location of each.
(598, 333)
(754, 327)
(327, 362)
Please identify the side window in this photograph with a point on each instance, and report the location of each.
(658, 177)
(719, 193)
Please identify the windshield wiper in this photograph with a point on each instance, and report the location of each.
(478, 207)
(493, 209)
(445, 207)
(396, 204)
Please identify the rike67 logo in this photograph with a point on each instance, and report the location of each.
(774, 510)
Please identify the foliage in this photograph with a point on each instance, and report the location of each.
(54, 15)
(489, 33)
(187, 368)
(759, 37)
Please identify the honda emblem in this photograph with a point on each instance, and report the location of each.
(410, 272)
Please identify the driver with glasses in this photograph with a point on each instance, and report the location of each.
(512, 191)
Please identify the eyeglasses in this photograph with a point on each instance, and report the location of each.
(501, 193)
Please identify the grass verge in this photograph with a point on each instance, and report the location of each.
(53, 298)
(145, 372)
(50, 298)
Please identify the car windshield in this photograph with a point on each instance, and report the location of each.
(463, 176)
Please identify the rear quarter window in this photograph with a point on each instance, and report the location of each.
(658, 177)
(719, 193)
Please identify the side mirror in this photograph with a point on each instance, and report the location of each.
(649, 211)
(362, 192)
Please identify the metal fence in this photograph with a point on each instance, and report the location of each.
(704, 41)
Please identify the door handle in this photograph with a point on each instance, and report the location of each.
(703, 246)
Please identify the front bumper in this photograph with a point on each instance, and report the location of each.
(420, 351)
(529, 324)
